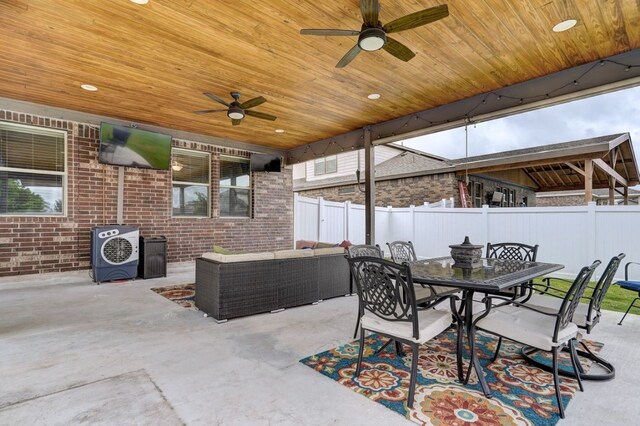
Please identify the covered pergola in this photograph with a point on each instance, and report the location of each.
(606, 162)
(152, 64)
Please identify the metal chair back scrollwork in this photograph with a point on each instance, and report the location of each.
(512, 251)
(361, 250)
(573, 296)
(402, 251)
(600, 291)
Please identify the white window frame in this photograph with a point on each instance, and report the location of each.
(323, 161)
(249, 187)
(194, 153)
(64, 174)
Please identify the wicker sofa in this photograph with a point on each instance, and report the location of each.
(229, 286)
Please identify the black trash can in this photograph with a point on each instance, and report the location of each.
(152, 262)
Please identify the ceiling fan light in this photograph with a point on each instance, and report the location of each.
(372, 39)
(235, 113)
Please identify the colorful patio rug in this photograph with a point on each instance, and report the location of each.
(184, 294)
(522, 394)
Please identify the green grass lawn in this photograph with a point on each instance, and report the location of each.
(617, 299)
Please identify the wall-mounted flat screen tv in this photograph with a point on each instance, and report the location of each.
(131, 147)
(266, 163)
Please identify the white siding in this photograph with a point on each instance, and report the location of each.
(299, 170)
(348, 163)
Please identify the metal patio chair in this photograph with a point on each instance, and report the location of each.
(536, 328)
(361, 250)
(387, 299)
(549, 298)
(402, 251)
(629, 285)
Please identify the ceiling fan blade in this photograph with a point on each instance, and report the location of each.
(261, 115)
(236, 122)
(349, 56)
(417, 19)
(398, 50)
(215, 98)
(370, 10)
(207, 111)
(253, 102)
(328, 32)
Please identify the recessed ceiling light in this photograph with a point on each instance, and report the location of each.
(89, 87)
(279, 130)
(565, 25)
(374, 96)
(140, 1)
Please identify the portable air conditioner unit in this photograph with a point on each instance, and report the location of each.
(114, 252)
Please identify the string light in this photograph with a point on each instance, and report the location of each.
(469, 114)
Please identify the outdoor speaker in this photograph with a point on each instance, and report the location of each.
(114, 252)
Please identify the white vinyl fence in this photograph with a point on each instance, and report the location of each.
(572, 236)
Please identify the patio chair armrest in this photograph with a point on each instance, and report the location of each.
(547, 285)
(436, 301)
(626, 269)
(546, 289)
(519, 304)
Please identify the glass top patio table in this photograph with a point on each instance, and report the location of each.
(491, 275)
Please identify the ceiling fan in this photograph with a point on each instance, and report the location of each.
(236, 111)
(373, 35)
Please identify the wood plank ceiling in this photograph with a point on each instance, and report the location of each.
(152, 63)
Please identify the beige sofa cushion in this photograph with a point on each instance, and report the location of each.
(231, 258)
(328, 250)
(292, 254)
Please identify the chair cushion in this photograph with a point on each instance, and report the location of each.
(430, 323)
(630, 285)
(526, 326)
(552, 305)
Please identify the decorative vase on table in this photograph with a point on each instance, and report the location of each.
(466, 255)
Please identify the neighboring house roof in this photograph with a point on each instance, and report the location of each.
(562, 166)
(546, 165)
(550, 151)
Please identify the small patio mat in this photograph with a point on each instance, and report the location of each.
(184, 294)
(522, 394)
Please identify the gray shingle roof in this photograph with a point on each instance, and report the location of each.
(538, 149)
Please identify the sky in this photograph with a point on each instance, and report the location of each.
(615, 112)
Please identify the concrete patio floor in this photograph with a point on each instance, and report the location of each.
(72, 352)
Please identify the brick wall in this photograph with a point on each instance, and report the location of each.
(570, 200)
(52, 244)
(397, 192)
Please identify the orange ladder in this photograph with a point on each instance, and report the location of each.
(465, 200)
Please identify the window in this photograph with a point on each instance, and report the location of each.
(191, 178)
(477, 194)
(512, 198)
(326, 165)
(33, 173)
(235, 187)
(346, 190)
